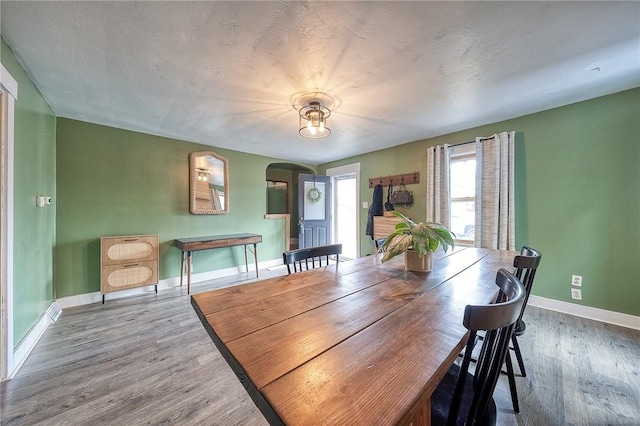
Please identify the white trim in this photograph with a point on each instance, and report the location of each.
(9, 86)
(31, 339)
(344, 170)
(10, 207)
(8, 82)
(610, 317)
(96, 297)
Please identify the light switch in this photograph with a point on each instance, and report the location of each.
(42, 200)
(365, 204)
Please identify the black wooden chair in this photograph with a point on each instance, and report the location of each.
(526, 265)
(463, 398)
(306, 258)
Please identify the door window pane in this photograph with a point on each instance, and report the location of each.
(314, 200)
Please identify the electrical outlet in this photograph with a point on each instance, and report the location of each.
(576, 293)
(576, 280)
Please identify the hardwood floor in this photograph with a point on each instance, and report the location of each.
(148, 360)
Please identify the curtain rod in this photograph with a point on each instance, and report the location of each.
(467, 143)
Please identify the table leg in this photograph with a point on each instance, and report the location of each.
(246, 261)
(181, 267)
(255, 256)
(189, 262)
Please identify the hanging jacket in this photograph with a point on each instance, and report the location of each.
(375, 209)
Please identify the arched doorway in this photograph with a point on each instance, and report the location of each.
(281, 195)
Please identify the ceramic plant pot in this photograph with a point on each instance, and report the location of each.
(413, 262)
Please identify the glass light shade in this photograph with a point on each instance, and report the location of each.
(315, 115)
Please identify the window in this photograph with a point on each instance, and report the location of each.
(463, 190)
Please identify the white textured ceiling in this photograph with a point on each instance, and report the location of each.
(227, 73)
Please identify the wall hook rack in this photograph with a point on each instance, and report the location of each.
(404, 179)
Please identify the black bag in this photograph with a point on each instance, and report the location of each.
(402, 196)
(388, 206)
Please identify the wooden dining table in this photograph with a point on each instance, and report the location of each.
(358, 342)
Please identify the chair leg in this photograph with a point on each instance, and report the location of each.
(516, 349)
(454, 409)
(512, 384)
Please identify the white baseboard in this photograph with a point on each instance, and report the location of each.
(602, 315)
(96, 297)
(33, 336)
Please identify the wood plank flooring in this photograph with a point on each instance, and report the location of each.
(148, 360)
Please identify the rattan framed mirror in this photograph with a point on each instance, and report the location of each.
(208, 183)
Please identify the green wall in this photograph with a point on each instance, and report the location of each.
(34, 174)
(117, 182)
(577, 194)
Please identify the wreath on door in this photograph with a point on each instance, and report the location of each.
(314, 195)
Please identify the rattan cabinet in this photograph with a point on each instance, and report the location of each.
(128, 262)
(384, 225)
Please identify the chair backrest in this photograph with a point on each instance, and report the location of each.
(305, 258)
(526, 264)
(498, 320)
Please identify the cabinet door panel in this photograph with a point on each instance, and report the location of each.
(136, 274)
(124, 249)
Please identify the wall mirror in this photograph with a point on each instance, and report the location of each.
(208, 183)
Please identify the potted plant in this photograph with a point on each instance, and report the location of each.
(417, 241)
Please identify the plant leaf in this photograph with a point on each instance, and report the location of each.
(422, 237)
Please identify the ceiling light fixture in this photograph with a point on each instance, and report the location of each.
(203, 175)
(313, 120)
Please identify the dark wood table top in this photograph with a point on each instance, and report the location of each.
(357, 343)
(215, 241)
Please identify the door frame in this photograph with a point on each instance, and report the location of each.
(303, 213)
(9, 88)
(334, 172)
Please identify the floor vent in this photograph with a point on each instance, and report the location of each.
(54, 312)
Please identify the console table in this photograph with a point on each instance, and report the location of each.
(188, 245)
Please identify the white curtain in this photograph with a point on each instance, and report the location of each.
(495, 206)
(438, 201)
